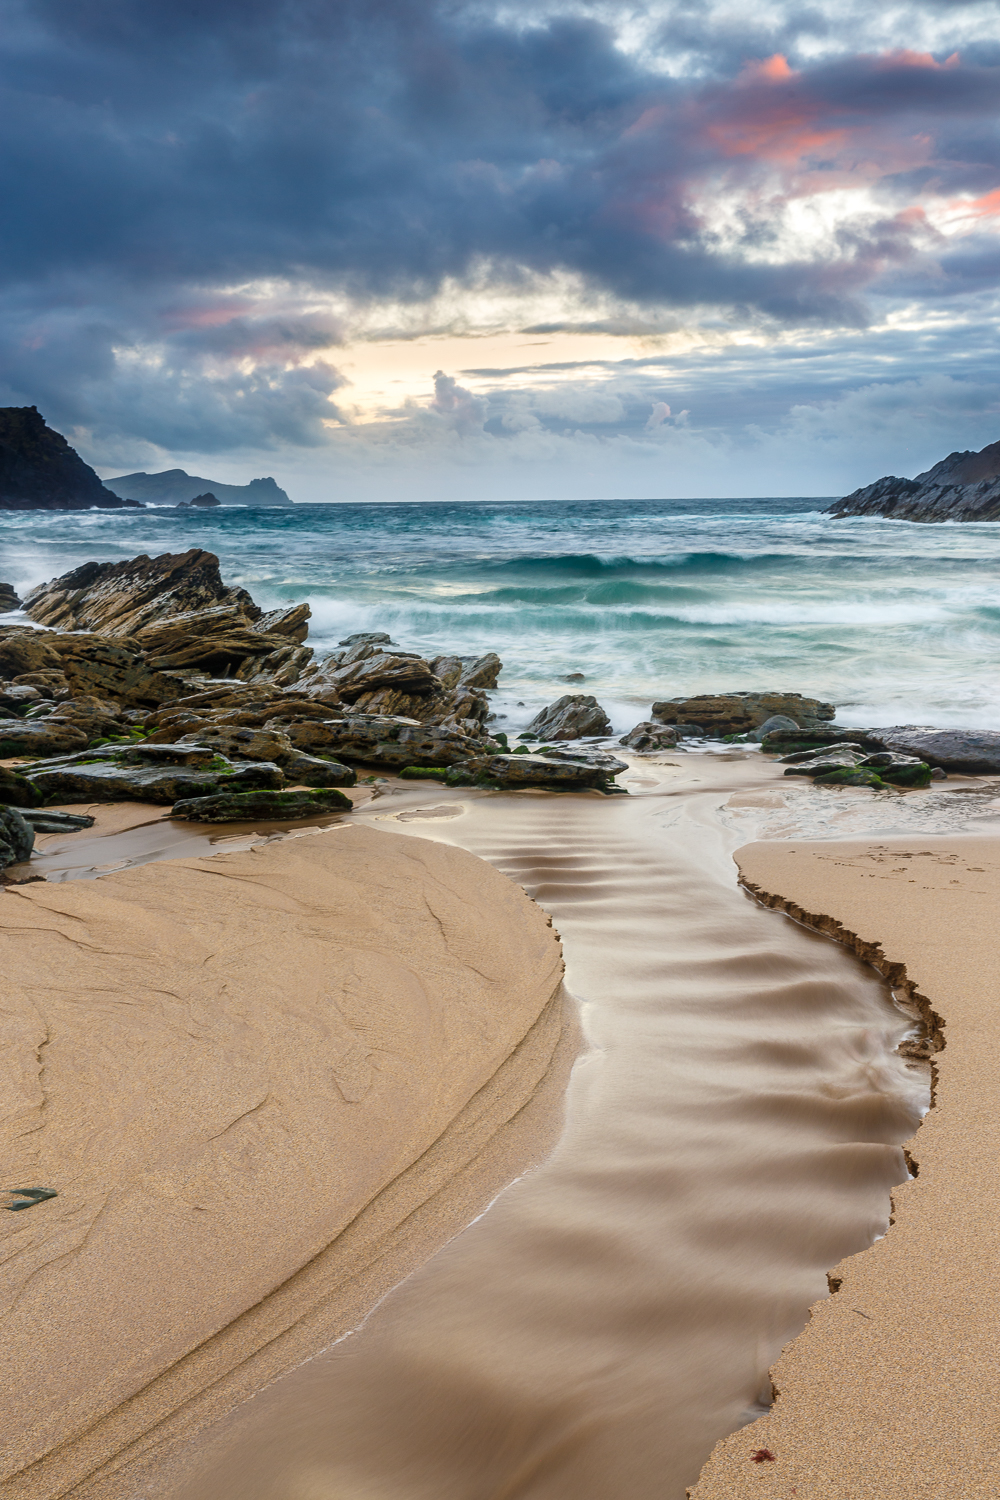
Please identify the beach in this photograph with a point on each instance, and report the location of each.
(890, 1390)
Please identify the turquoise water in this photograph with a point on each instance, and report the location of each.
(894, 622)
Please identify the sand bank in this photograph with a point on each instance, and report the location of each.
(264, 1086)
(734, 1131)
(891, 1390)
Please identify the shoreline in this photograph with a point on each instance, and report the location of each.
(889, 1390)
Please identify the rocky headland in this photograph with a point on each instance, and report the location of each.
(40, 471)
(962, 487)
(176, 487)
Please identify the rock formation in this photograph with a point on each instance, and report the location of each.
(8, 599)
(175, 487)
(571, 717)
(962, 487)
(200, 502)
(720, 714)
(40, 471)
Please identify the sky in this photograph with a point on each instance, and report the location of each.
(468, 249)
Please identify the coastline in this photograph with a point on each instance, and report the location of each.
(345, 1067)
(890, 1389)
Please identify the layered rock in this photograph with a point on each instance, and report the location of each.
(381, 739)
(132, 775)
(962, 487)
(571, 717)
(740, 713)
(8, 599)
(40, 471)
(121, 598)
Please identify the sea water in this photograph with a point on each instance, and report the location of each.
(894, 622)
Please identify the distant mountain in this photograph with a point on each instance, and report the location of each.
(40, 471)
(174, 485)
(962, 487)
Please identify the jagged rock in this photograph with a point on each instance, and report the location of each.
(25, 650)
(94, 716)
(404, 673)
(962, 487)
(292, 622)
(120, 598)
(650, 736)
(16, 791)
(51, 685)
(8, 599)
(570, 718)
(280, 668)
(40, 471)
(313, 770)
(480, 671)
(17, 837)
(973, 751)
(103, 668)
(39, 737)
(447, 670)
(383, 740)
(738, 713)
(200, 502)
(274, 806)
(173, 485)
(118, 780)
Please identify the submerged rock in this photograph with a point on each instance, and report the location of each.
(17, 837)
(571, 717)
(276, 807)
(720, 714)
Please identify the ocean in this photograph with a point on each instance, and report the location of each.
(894, 622)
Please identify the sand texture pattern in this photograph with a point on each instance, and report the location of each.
(893, 1389)
(249, 1079)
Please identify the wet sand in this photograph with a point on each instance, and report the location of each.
(733, 1132)
(892, 1389)
(264, 1085)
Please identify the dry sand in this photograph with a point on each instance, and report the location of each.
(893, 1389)
(265, 1085)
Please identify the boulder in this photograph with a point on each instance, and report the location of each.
(380, 739)
(408, 674)
(313, 770)
(16, 790)
(276, 807)
(370, 637)
(777, 724)
(851, 776)
(120, 598)
(17, 837)
(830, 767)
(200, 502)
(119, 780)
(650, 736)
(570, 718)
(15, 698)
(973, 751)
(8, 599)
(518, 770)
(480, 671)
(38, 737)
(237, 743)
(738, 713)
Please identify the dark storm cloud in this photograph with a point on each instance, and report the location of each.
(158, 153)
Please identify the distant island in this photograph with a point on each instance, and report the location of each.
(962, 487)
(40, 471)
(174, 486)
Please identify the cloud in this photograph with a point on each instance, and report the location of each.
(207, 204)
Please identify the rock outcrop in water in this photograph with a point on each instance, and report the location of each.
(962, 487)
(720, 714)
(8, 599)
(175, 487)
(40, 471)
(573, 716)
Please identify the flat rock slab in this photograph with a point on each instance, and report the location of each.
(113, 781)
(246, 1059)
(238, 807)
(974, 751)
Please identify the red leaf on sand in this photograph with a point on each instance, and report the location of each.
(762, 1456)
